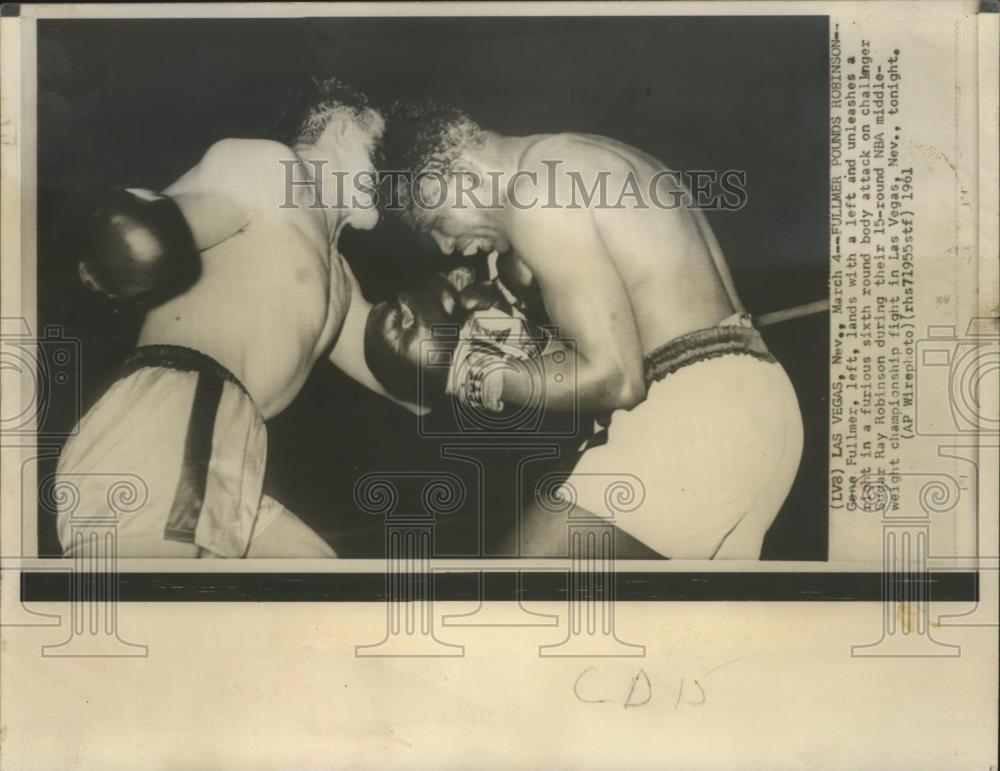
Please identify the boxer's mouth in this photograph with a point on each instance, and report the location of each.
(476, 245)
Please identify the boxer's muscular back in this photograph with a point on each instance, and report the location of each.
(674, 282)
(272, 296)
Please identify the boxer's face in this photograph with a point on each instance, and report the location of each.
(355, 144)
(455, 221)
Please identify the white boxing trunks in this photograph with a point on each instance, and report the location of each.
(184, 429)
(712, 451)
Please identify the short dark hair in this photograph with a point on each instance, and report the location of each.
(427, 135)
(424, 136)
(313, 104)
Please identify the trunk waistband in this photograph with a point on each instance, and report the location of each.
(179, 358)
(733, 336)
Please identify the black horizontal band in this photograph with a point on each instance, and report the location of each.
(504, 585)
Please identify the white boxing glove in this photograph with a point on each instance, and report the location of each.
(488, 341)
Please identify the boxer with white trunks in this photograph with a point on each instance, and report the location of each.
(245, 292)
(701, 413)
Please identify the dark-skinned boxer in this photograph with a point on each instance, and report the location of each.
(702, 414)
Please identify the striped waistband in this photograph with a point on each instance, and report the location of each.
(734, 336)
(180, 358)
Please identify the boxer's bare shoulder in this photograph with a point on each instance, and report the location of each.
(591, 208)
(575, 151)
(251, 171)
(550, 168)
(574, 171)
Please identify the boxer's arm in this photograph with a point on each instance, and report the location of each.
(233, 178)
(586, 298)
(348, 352)
(212, 218)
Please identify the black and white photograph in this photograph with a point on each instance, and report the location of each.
(529, 385)
(531, 257)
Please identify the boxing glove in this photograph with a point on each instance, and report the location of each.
(460, 276)
(475, 293)
(408, 341)
(491, 341)
(484, 295)
(517, 281)
(138, 247)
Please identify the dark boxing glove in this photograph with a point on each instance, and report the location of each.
(408, 342)
(475, 293)
(482, 296)
(139, 247)
(519, 282)
(461, 276)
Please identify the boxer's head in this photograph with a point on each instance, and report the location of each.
(445, 169)
(331, 123)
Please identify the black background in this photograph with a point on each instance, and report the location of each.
(135, 102)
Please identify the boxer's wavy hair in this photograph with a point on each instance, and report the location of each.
(423, 136)
(312, 105)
